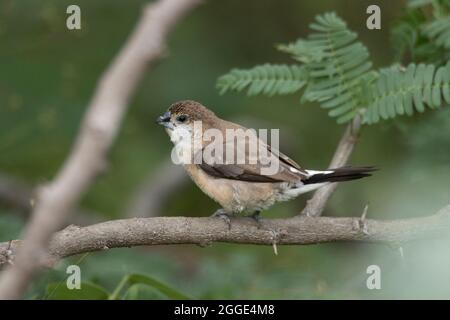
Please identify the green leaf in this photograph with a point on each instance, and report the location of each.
(333, 63)
(88, 291)
(339, 78)
(339, 72)
(161, 287)
(438, 31)
(419, 3)
(267, 79)
(142, 292)
(398, 92)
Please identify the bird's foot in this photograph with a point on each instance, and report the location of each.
(257, 218)
(224, 215)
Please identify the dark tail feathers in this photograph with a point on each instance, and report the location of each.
(341, 174)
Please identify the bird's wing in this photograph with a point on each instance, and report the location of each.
(286, 159)
(281, 169)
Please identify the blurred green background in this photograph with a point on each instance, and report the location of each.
(48, 74)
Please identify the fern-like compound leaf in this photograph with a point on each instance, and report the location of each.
(268, 79)
(399, 92)
(439, 31)
(337, 66)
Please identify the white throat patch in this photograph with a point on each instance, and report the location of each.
(182, 138)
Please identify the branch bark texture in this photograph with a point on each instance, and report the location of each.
(98, 130)
(205, 231)
(315, 206)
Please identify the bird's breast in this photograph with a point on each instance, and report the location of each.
(235, 195)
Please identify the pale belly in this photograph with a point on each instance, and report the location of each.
(239, 196)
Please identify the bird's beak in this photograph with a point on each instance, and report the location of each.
(164, 120)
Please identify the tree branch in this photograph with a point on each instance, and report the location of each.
(19, 196)
(205, 231)
(315, 206)
(99, 128)
(150, 196)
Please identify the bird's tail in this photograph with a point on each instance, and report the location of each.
(337, 175)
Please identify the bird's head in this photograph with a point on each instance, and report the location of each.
(180, 118)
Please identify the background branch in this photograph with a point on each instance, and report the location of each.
(99, 128)
(204, 231)
(315, 206)
(19, 196)
(150, 196)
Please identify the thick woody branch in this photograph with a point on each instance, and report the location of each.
(205, 231)
(315, 206)
(99, 128)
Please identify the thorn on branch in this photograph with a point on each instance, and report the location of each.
(276, 236)
(9, 255)
(361, 223)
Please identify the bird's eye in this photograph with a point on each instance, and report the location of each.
(182, 118)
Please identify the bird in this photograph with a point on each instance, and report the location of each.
(241, 187)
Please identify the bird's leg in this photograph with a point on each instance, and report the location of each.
(255, 216)
(224, 215)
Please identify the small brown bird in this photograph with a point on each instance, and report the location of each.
(241, 186)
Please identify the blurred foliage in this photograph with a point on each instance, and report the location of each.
(48, 75)
(400, 91)
(335, 66)
(87, 291)
(340, 76)
(423, 32)
(139, 287)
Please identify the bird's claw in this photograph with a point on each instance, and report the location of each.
(224, 215)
